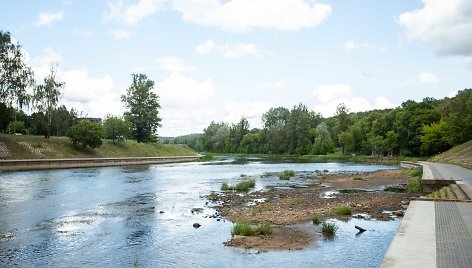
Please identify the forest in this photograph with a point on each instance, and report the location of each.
(413, 129)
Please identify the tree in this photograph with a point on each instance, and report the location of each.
(116, 128)
(323, 142)
(15, 76)
(275, 120)
(47, 95)
(435, 138)
(86, 133)
(143, 105)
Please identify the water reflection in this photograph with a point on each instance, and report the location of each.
(112, 217)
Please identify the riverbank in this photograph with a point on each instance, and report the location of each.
(365, 194)
(37, 147)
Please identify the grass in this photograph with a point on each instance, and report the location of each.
(245, 228)
(414, 185)
(328, 228)
(416, 172)
(213, 196)
(61, 147)
(358, 179)
(459, 155)
(316, 219)
(256, 211)
(342, 210)
(287, 174)
(241, 187)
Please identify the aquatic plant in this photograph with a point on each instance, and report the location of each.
(328, 228)
(225, 187)
(245, 185)
(242, 228)
(287, 174)
(316, 219)
(342, 210)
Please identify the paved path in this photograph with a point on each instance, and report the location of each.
(435, 234)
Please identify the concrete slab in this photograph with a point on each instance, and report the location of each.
(414, 245)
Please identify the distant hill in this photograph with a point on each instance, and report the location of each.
(37, 147)
(459, 155)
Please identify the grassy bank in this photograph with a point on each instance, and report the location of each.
(459, 155)
(37, 147)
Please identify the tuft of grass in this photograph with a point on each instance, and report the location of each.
(256, 211)
(287, 174)
(414, 185)
(316, 219)
(342, 210)
(265, 228)
(329, 228)
(242, 186)
(213, 196)
(226, 187)
(243, 228)
(358, 179)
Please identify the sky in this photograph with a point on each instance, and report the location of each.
(218, 60)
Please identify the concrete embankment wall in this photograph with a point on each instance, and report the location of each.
(32, 164)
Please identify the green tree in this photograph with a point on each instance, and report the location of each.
(435, 138)
(214, 137)
(15, 76)
(16, 127)
(458, 115)
(323, 142)
(86, 133)
(343, 122)
(116, 128)
(143, 108)
(275, 120)
(236, 134)
(47, 95)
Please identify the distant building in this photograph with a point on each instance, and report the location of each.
(91, 119)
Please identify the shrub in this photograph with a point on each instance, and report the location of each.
(225, 187)
(416, 172)
(358, 179)
(86, 133)
(19, 127)
(343, 210)
(116, 128)
(316, 219)
(414, 185)
(329, 228)
(242, 228)
(287, 174)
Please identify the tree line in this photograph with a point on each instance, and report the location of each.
(412, 129)
(19, 90)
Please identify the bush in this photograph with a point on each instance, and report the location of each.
(242, 228)
(225, 187)
(242, 186)
(342, 210)
(265, 228)
(86, 133)
(358, 179)
(414, 185)
(19, 127)
(328, 228)
(316, 219)
(116, 128)
(416, 172)
(287, 174)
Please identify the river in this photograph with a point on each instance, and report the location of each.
(141, 216)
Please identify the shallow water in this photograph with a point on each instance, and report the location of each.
(142, 216)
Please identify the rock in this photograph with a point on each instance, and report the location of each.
(404, 206)
(398, 213)
(196, 225)
(161, 212)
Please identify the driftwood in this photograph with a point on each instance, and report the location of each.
(361, 230)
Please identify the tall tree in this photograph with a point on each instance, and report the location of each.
(15, 76)
(47, 95)
(116, 128)
(143, 108)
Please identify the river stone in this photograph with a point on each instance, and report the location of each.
(196, 225)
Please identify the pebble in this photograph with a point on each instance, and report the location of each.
(196, 225)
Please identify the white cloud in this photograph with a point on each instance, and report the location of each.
(251, 110)
(352, 45)
(244, 15)
(426, 77)
(445, 25)
(173, 65)
(181, 121)
(328, 96)
(271, 86)
(232, 51)
(131, 15)
(120, 34)
(452, 94)
(177, 90)
(47, 18)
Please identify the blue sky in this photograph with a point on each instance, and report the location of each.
(221, 60)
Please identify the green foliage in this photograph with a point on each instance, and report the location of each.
(358, 179)
(414, 185)
(416, 172)
(241, 187)
(329, 228)
(243, 228)
(435, 138)
(226, 187)
(47, 95)
(16, 127)
(265, 228)
(287, 174)
(316, 219)
(342, 210)
(143, 108)
(86, 133)
(116, 128)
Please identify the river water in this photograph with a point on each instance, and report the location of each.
(141, 216)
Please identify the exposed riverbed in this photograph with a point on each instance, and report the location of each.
(123, 216)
